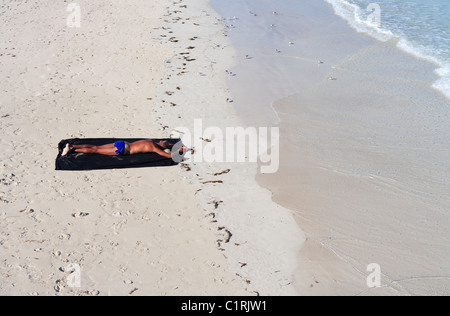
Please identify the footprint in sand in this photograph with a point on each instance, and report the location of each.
(80, 214)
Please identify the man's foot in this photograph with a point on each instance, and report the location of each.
(66, 150)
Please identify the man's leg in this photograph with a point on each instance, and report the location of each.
(107, 150)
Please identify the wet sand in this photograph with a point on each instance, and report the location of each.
(363, 147)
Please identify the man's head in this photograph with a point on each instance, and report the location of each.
(164, 144)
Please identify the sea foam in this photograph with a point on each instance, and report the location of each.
(402, 23)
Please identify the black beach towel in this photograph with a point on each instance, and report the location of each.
(78, 161)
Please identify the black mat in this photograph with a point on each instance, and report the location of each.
(78, 161)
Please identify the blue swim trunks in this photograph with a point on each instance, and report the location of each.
(120, 145)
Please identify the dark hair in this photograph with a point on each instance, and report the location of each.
(166, 144)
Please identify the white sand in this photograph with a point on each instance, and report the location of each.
(131, 232)
(145, 229)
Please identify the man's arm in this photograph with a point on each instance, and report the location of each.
(162, 153)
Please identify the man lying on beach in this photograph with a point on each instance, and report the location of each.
(122, 148)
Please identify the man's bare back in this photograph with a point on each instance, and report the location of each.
(148, 146)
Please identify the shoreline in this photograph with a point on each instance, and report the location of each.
(383, 35)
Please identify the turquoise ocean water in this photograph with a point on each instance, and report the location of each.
(421, 26)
